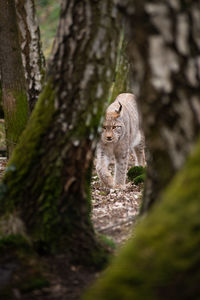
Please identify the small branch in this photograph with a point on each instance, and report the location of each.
(132, 218)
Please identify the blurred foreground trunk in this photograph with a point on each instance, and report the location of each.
(164, 51)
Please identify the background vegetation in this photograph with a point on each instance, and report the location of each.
(48, 14)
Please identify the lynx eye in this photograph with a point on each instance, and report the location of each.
(114, 127)
(104, 127)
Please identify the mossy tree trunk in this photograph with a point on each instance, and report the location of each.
(122, 79)
(32, 56)
(47, 183)
(14, 95)
(164, 52)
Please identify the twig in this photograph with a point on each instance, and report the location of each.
(132, 218)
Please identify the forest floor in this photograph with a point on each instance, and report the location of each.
(113, 215)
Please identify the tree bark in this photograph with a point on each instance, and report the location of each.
(164, 51)
(47, 183)
(12, 76)
(32, 56)
(122, 79)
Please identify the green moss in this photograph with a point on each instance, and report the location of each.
(33, 283)
(21, 165)
(99, 257)
(14, 243)
(137, 174)
(163, 259)
(134, 172)
(38, 123)
(16, 118)
(47, 229)
(28, 149)
(139, 179)
(107, 241)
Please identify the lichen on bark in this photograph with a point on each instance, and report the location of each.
(31, 50)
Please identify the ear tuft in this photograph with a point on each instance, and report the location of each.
(120, 108)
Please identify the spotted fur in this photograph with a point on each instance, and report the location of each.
(121, 135)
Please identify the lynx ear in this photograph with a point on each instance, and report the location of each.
(119, 110)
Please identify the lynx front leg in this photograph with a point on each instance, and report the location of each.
(121, 164)
(139, 156)
(102, 169)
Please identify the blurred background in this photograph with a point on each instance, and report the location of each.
(48, 14)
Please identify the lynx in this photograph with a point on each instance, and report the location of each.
(121, 135)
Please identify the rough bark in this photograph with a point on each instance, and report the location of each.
(46, 185)
(164, 51)
(122, 80)
(32, 56)
(12, 76)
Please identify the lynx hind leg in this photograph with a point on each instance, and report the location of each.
(121, 165)
(139, 155)
(102, 170)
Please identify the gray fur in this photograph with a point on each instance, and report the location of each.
(121, 135)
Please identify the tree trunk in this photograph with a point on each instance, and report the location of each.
(12, 75)
(121, 82)
(47, 183)
(32, 56)
(164, 51)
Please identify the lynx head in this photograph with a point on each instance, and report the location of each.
(113, 127)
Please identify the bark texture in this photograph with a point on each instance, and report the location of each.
(47, 181)
(122, 80)
(12, 76)
(32, 56)
(164, 50)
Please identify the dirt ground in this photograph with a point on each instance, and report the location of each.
(113, 214)
(114, 211)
